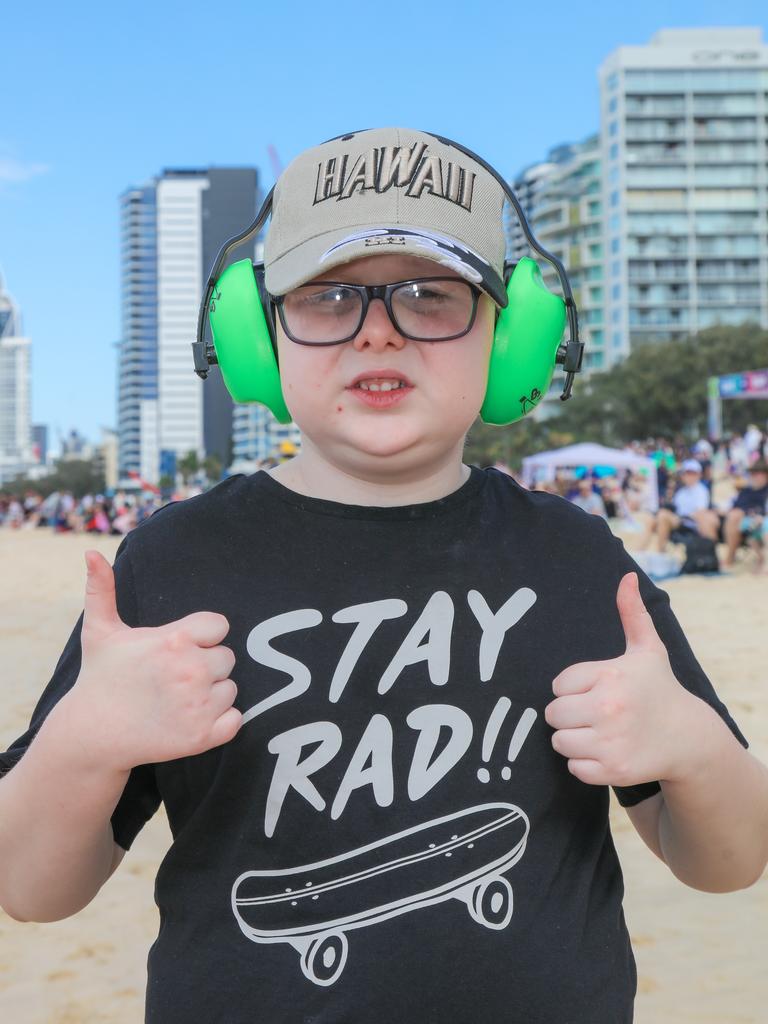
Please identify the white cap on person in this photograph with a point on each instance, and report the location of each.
(382, 191)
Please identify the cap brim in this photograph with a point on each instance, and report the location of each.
(334, 248)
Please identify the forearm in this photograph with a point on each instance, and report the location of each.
(56, 843)
(713, 824)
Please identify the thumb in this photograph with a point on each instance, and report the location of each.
(639, 630)
(100, 609)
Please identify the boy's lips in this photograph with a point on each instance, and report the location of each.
(380, 388)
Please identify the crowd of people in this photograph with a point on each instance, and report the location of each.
(117, 513)
(688, 507)
(689, 512)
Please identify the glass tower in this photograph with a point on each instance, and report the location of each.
(16, 453)
(172, 228)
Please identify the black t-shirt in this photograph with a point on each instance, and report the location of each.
(752, 499)
(390, 836)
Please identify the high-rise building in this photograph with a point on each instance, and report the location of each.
(16, 452)
(684, 128)
(137, 363)
(561, 198)
(258, 435)
(172, 229)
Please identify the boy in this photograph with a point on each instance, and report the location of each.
(429, 680)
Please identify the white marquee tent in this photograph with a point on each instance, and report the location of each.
(544, 465)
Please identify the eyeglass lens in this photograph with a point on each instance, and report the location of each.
(426, 309)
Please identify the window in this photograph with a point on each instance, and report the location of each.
(613, 127)
(725, 103)
(725, 199)
(727, 223)
(659, 105)
(614, 151)
(724, 174)
(656, 199)
(716, 80)
(615, 244)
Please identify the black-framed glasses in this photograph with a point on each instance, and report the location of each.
(422, 309)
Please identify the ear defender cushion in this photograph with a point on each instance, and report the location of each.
(242, 340)
(525, 342)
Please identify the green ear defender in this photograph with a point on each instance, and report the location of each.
(526, 339)
(526, 345)
(243, 338)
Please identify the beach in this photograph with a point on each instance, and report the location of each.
(700, 957)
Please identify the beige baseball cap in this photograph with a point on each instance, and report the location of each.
(383, 191)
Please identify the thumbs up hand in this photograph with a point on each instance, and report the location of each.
(149, 694)
(623, 721)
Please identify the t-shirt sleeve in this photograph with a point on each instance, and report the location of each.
(684, 664)
(140, 798)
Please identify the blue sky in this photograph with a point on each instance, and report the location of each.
(97, 97)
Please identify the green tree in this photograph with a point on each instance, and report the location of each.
(213, 465)
(487, 444)
(80, 476)
(188, 465)
(661, 388)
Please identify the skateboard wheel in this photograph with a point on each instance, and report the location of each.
(324, 959)
(491, 903)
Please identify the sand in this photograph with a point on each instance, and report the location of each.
(701, 958)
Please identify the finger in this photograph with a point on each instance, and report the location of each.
(223, 695)
(100, 606)
(639, 630)
(589, 771)
(219, 662)
(578, 743)
(577, 678)
(226, 727)
(206, 629)
(570, 712)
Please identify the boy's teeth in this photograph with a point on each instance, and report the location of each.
(383, 385)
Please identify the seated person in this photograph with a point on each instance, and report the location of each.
(690, 509)
(586, 497)
(750, 502)
(611, 495)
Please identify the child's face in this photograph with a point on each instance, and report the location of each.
(429, 418)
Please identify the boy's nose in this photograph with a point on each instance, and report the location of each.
(378, 332)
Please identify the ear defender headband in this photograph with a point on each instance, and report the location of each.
(526, 347)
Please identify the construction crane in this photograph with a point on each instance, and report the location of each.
(274, 159)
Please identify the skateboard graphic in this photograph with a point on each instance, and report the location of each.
(460, 856)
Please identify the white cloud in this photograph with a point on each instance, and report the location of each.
(13, 170)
